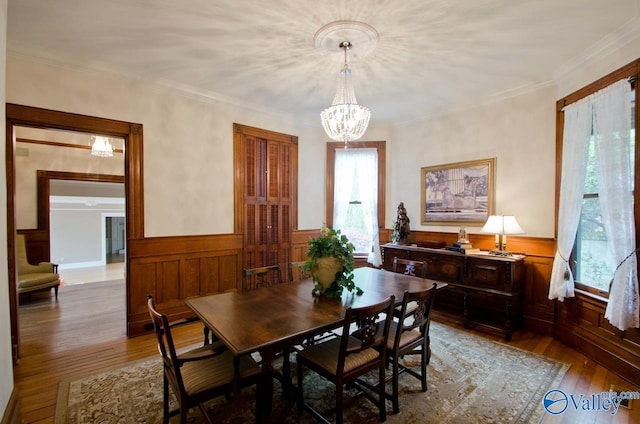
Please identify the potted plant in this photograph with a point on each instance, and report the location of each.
(330, 262)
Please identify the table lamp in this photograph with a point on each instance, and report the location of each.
(501, 225)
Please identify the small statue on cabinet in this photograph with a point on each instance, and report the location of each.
(402, 228)
(462, 235)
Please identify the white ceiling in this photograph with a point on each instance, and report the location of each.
(432, 56)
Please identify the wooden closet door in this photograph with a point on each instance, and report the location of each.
(266, 172)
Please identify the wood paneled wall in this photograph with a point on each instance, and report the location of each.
(175, 268)
(300, 243)
(581, 324)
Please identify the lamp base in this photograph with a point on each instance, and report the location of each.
(498, 252)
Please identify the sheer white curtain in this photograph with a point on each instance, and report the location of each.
(611, 125)
(577, 131)
(359, 165)
(367, 164)
(344, 177)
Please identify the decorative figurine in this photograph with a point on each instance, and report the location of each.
(402, 227)
(462, 235)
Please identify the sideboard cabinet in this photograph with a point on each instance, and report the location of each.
(487, 288)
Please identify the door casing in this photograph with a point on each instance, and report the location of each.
(27, 116)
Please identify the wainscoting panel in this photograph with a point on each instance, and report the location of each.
(581, 324)
(175, 268)
(300, 243)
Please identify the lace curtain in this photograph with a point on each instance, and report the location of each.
(611, 123)
(577, 130)
(344, 176)
(607, 115)
(361, 166)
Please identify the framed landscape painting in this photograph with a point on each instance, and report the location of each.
(460, 194)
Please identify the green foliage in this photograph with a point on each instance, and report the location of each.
(395, 235)
(331, 242)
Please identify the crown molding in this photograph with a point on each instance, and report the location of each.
(178, 89)
(613, 41)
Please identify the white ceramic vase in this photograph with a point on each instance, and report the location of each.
(325, 270)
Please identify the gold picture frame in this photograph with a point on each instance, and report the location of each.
(460, 194)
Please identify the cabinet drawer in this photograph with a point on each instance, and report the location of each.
(487, 274)
(444, 267)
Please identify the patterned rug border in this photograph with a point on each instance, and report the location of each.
(62, 397)
(531, 413)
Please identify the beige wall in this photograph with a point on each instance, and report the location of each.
(518, 132)
(188, 142)
(6, 363)
(30, 158)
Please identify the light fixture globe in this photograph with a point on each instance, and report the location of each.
(345, 120)
(101, 147)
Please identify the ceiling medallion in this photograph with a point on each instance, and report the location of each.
(363, 37)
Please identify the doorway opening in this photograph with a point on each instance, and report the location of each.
(114, 247)
(39, 232)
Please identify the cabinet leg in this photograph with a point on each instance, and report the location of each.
(466, 310)
(508, 322)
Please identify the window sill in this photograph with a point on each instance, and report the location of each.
(592, 296)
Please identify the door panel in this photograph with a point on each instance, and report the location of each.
(266, 167)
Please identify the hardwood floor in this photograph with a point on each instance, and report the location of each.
(84, 332)
(93, 274)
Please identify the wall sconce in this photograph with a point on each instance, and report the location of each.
(501, 225)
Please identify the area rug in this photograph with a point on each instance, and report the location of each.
(470, 380)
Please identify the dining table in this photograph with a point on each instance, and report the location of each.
(271, 319)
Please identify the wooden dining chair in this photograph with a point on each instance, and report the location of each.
(409, 267)
(409, 335)
(298, 271)
(200, 374)
(263, 276)
(343, 360)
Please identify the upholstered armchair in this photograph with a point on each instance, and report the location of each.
(33, 278)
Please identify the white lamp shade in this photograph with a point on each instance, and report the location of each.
(502, 224)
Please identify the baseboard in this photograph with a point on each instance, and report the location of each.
(12, 414)
(538, 325)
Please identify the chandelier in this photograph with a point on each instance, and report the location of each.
(345, 120)
(101, 147)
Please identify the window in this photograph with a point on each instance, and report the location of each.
(355, 194)
(593, 261)
(597, 219)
